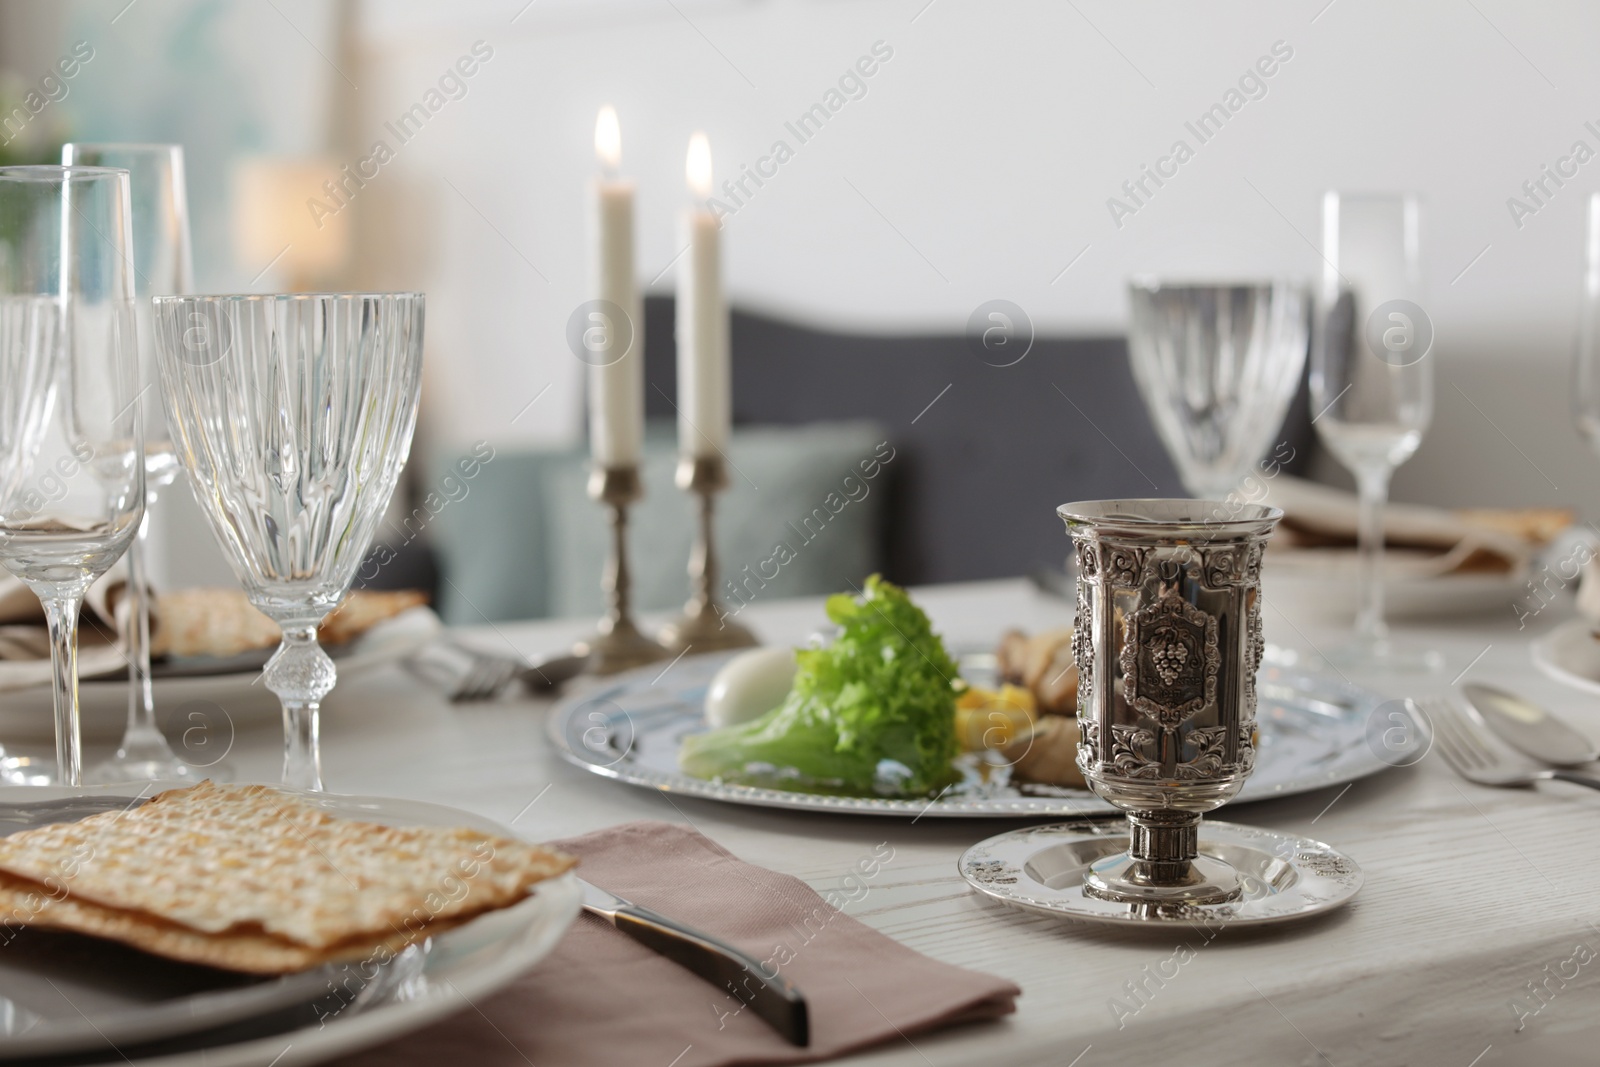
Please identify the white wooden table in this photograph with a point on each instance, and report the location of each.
(1470, 893)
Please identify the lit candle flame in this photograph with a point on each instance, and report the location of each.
(698, 168)
(608, 139)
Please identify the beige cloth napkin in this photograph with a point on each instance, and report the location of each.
(602, 999)
(1317, 536)
(25, 643)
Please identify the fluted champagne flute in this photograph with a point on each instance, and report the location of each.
(74, 504)
(293, 416)
(162, 266)
(1586, 361)
(1372, 383)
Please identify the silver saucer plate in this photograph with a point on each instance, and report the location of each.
(1040, 869)
(1316, 731)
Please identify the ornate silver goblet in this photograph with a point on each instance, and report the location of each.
(1167, 644)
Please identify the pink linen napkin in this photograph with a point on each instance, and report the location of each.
(603, 999)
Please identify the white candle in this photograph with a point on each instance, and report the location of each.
(705, 393)
(614, 333)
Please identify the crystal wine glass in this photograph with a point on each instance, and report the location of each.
(75, 503)
(293, 415)
(1372, 382)
(29, 327)
(1217, 366)
(161, 263)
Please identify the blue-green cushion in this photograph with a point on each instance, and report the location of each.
(800, 517)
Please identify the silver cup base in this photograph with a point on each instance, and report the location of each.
(1040, 869)
(1162, 865)
(1126, 879)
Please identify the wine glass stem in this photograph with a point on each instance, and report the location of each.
(1372, 484)
(301, 673)
(302, 756)
(142, 729)
(61, 614)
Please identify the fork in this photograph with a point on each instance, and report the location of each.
(464, 674)
(486, 678)
(467, 675)
(1470, 752)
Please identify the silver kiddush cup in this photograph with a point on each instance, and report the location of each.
(1167, 644)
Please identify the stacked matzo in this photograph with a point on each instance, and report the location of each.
(254, 879)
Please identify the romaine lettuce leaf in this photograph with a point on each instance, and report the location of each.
(873, 713)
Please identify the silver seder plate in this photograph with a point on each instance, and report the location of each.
(1315, 732)
(1040, 869)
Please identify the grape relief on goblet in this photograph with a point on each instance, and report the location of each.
(1170, 663)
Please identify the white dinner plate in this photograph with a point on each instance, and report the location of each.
(1570, 653)
(171, 1015)
(25, 714)
(1337, 595)
(61, 993)
(1316, 731)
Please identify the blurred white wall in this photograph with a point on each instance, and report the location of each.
(979, 163)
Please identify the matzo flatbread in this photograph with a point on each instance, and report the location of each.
(28, 904)
(255, 860)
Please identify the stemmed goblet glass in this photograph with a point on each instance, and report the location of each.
(162, 266)
(293, 415)
(1217, 365)
(1372, 383)
(73, 496)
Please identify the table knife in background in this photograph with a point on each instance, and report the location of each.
(775, 1000)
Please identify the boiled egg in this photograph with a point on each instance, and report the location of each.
(749, 685)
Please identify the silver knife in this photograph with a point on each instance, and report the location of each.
(1528, 727)
(777, 1002)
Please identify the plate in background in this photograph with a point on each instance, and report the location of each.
(1338, 596)
(1571, 654)
(26, 715)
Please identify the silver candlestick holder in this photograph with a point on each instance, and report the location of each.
(618, 643)
(704, 626)
(1167, 645)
